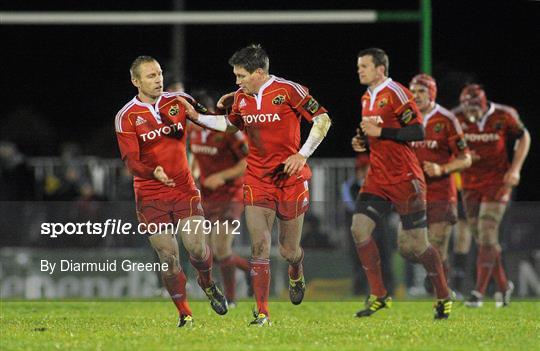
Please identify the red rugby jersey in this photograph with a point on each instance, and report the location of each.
(391, 105)
(443, 141)
(215, 152)
(153, 135)
(271, 119)
(487, 137)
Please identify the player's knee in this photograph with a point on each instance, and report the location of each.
(414, 220)
(170, 258)
(406, 251)
(221, 252)
(197, 251)
(438, 240)
(359, 233)
(288, 253)
(488, 225)
(260, 249)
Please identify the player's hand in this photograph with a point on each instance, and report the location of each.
(160, 175)
(511, 178)
(433, 169)
(190, 110)
(370, 128)
(226, 101)
(294, 164)
(358, 143)
(474, 156)
(214, 181)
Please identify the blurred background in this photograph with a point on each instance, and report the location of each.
(64, 83)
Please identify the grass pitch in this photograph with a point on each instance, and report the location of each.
(151, 325)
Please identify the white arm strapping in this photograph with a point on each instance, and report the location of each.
(321, 124)
(215, 122)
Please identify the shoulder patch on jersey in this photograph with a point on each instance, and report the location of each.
(173, 111)
(407, 116)
(438, 127)
(312, 106)
(278, 100)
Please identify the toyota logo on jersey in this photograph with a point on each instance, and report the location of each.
(261, 118)
(377, 119)
(165, 130)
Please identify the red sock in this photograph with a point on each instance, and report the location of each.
(296, 269)
(431, 261)
(260, 279)
(240, 262)
(485, 262)
(368, 253)
(499, 274)
(176, 286)
(204, 268)
(228, 270)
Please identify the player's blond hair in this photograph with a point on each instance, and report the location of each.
(134, 70)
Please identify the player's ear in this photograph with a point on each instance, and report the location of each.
(381, 70)
(135, 82)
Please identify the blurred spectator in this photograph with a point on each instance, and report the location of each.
(124, 186)
(16, 178)
(29, 129)
(312, 236)
(63, 188)
(175, 86)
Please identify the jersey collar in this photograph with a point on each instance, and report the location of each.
(378, 88)
(258, 96)
(428, 116)
(481, 123)
(154, 109)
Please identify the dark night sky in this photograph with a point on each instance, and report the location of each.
(65, 83)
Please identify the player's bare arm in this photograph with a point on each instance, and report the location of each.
(521, 149)
(319, 129)
(218, 123)
(218, 179)
(474, 156)
(370, 128)
(160, 175)
(458, 164)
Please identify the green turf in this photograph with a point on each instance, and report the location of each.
(151, 325)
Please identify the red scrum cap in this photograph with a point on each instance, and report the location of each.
(427, 81)
(474, 94)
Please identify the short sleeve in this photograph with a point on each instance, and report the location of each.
(302, 102)
(514, 126)
(234, 115)
(456, 139)
(404, 106)
(129, 146)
